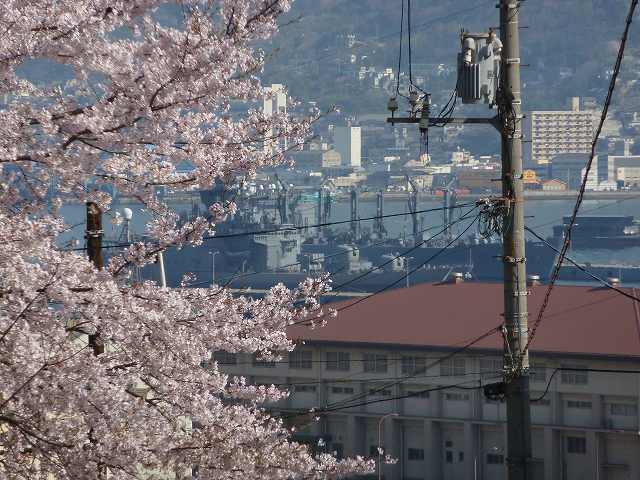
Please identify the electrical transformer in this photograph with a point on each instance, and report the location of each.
(479, 67)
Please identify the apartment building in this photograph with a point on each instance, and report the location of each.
(378, 365)
(556, 132)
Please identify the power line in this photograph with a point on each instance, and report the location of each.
(461, 385)
(583, 269)
(394, 283)
(340, 381)
(594, 209)
(571, 369)
(567, 238)
(400, 51)
(298, 228)
(406, 252)
(463, 348)
(325, 257)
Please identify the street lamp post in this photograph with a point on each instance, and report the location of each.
(213, 266)
(408, 271)
(380, 442)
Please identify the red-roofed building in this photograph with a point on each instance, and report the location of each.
(384, 355)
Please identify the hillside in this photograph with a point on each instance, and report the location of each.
(568, 47)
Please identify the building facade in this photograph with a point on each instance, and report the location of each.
(381, 366)
(274, 103)
(348, 143)
(557, 132)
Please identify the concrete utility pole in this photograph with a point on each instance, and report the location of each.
(519, 466)
(483, 55)
(94, 234)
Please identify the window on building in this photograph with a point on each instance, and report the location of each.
(490, 367)
(448, 444)
(538, 372)
(495, 459)
(413, 365)
(375, 363)
(258, 362)
(415, 454)
(379, 392)
(623, 409)
(417, 394)
(301, 359)
(338, 361)
(448, 456)
(305, 388)
(573, 377)
(225, 358)
(453, 367)
(461, 456)
(342, 390)
(583, 404)
(576, 445)
(457, 397)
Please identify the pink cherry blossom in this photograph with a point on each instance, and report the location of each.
(102, 378)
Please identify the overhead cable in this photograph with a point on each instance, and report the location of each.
(571, 369)
(584, 269)
(393, 284)
(457, 351)
(567, 238)
(294, 228)
(325, 257)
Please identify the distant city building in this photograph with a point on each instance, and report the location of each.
(348, 143)
(530, 179)
(557, 132)
(569, 167)
(345, 181)
(461, 157)
(554, 185)
(331, 159)
(623, 168)
(275, 102)
(479, 179)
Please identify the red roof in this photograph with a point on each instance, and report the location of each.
(578, 320)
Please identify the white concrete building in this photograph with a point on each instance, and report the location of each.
(275, 102)
(383, 357)
(557, 132)
(348, 143)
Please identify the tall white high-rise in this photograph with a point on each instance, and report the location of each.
(275, 102)
(348, 143)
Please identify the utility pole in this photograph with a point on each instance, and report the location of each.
(482, 56)
(516, 356)
(93, 234)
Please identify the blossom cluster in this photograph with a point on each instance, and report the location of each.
(102, 378)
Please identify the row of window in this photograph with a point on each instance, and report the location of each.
(616, 409)
(576, 445)
(410, 365)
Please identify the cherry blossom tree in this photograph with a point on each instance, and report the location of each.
(103, 378)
